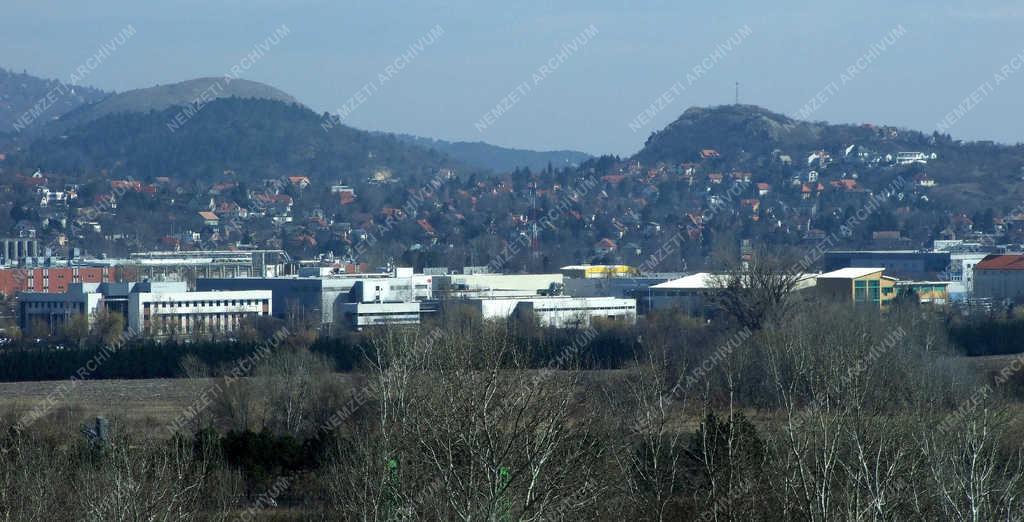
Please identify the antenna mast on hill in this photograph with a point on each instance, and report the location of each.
(737, 93)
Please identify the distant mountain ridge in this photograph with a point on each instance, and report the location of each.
(28, 102)
(256, 138)
(499, 159)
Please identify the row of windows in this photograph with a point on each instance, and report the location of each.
(576, 309)
(51, 305)
(201, 304)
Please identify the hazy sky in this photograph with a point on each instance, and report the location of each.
(584, 100)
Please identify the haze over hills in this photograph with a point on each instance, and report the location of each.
(499, 159)
(21, 92)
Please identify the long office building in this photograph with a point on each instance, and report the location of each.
(152, 309)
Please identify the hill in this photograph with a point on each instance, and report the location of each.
(27, 102)
(969, 174)
(161, 97)
(254, 137)
(751, 131)
(499, 159)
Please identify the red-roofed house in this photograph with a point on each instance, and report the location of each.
(605, 246)
(209, 218)
(299, 181)
(845, 184)
(426, 226)
(709, 154)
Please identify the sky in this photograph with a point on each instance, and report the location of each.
(592, 75)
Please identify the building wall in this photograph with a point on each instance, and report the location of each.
(53, 280)
(319, 297)
(484, 282)
(361, 315)
(188, 313)
(609, 286)
(690, 301)
(52, 311)
(578, 312)
(903, 264)
(867, 290)
(999, 284)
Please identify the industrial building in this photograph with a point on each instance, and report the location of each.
(14, 249)
(599, 271)
(1000, 277)
(688, 294)
(154, 309)
(904, 264)
(553, 311)
(862, 286)
(320, 298)
(926, 292)
(194, 264)
(455, 286)
(54, 279)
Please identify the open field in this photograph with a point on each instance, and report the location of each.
(145, 404)
(149, 405)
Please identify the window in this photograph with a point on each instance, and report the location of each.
(860, 291)
(873, 291)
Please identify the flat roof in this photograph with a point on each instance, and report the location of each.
(850, 273)
(885, 252)
(692, 281)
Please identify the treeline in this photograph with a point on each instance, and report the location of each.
(813, 411)
(988, 336)
(608, 345)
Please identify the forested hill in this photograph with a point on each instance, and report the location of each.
(256, 138)
(21, 92)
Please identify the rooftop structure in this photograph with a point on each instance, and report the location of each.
(189, 265)
(597, 271)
